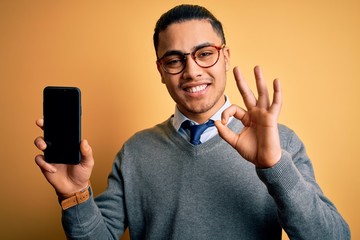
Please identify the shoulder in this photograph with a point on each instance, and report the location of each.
(159, 131)
(285, 131)
(289, 139)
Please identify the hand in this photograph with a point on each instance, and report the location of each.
(259, 140)
(66, 179)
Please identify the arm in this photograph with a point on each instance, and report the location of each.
(85, 220)
(304, 212)
(101, 218)
(65, 179)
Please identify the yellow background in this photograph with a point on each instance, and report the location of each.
(105, 48)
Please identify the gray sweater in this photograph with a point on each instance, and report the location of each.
(162, 187)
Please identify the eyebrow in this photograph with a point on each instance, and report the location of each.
(177, 52)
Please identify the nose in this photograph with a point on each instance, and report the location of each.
(192, 70)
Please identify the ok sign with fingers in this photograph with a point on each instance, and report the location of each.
(259, 140)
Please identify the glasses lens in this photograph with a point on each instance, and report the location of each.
(173, 63)
(206, 56)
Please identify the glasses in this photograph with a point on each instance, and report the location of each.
(174, 62)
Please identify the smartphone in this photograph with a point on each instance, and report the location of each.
(62, 124)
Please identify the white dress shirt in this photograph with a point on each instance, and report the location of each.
(210, 132)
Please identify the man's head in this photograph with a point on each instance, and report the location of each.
(192, 60)
(183, 13)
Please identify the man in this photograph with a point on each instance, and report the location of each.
(249, 183)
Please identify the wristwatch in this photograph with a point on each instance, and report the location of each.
(75, 198)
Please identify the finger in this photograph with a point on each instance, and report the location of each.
(277, 98)
(225, 132)
(43, 165)
(232, 111)
(86, 152)
(263, 94)
(247, 95)
(40, 123)
(40, 143)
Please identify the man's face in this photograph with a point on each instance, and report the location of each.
(198, 92)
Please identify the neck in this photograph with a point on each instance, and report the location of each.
(202, 117)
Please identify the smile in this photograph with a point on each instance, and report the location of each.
(196, 88)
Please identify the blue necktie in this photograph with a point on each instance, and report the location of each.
(196, 130)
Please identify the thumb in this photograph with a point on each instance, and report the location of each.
(226, 133)
(86, 153)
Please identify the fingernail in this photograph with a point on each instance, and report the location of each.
(86, 145)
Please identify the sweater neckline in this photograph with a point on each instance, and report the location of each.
(175, 137)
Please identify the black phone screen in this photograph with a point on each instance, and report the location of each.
(62, 124)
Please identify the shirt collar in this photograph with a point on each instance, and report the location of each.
(179, 118)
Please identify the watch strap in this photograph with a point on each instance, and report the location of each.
(76, 198)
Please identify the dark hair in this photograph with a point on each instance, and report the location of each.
(184, 13)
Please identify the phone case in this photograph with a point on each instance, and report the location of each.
(62, 124)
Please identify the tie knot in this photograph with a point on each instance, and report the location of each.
(196, 130)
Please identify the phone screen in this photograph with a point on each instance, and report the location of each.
(62, 124)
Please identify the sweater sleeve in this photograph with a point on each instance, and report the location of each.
(99, 218)
(304, 212)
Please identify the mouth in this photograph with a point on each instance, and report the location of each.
(196, 89)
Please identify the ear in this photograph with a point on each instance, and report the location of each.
(160, 71)
(226, 52)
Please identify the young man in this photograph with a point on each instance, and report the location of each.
(249, 183)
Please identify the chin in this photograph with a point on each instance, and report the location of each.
(199, 109)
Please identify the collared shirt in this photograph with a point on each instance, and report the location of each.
(179, 118)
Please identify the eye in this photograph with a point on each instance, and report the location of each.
(205, 52)
(172, 61)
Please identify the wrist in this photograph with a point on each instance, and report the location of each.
(70, 200)
(269, 162)
(62, 195)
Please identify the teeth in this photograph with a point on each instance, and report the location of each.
(197, 88)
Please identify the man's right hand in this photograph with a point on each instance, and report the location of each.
(66, 179)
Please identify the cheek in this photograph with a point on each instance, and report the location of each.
(170, 85)
(160, 72)
(173, 92)
(221, 74)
